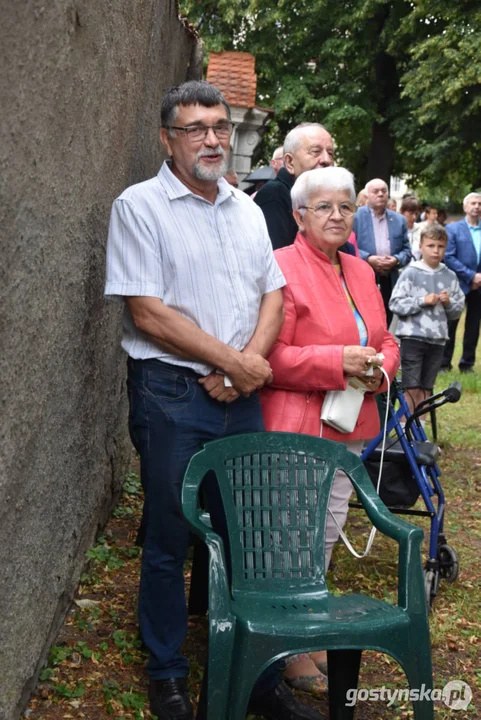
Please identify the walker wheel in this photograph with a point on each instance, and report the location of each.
(448, 563)
(429, 587)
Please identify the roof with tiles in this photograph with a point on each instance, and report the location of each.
(233, 73)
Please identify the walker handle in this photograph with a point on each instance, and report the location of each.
(453, 392)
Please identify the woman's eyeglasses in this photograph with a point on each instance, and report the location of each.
(326, 209)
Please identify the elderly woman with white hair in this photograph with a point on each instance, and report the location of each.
(334, 330)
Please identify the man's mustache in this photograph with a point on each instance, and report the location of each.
(215, 151)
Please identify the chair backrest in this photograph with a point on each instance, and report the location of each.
(275, 490)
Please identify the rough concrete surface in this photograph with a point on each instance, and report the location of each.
(80, 85)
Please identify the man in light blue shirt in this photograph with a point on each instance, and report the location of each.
(463, 255)
(475, 231)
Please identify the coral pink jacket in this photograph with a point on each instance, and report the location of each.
(306, 358)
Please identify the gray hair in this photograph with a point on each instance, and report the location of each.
(293, 137)
(471, 196)
(194, 92)
(328, 178)
(281, 153)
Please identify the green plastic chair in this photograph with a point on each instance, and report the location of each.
(275, 489)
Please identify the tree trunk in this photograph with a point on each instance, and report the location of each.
(381, 153)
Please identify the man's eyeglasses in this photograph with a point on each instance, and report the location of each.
(326, 209)
(196, 133)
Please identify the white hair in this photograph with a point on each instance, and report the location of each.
(375, 180)
(279, 152)
(328, 178)
(293, 137)
(471, 196)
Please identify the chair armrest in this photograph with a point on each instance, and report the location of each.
(409, 538)
(219, 595)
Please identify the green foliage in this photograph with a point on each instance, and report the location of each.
(110, 689)
(131, 484)
(131, 552)
(88, 578)
(82, 648)
(128, 644)
(131, 491)
(104, 554)
(123, 511)
(58, 654)
(442, 83)
(114, 697)
(133, 701)
(68, 692)
(45, 674)
(364, 67)
(433, 194)
(114, 616)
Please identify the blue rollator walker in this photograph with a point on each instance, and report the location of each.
(410, 469)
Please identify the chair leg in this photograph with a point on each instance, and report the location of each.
(240, 697)
(218, 675)
(418, 669)
(423, 710)
(243, 679)
(199, 580)
(214, 701)
(343, 668)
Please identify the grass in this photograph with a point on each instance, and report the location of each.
(96, 668)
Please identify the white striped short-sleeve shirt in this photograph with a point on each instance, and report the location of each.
(212, 263)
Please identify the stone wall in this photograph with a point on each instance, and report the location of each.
(80, 85)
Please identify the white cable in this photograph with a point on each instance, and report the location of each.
(373, 530)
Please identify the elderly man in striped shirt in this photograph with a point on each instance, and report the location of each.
(190, 257)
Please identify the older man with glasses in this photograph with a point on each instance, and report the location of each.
(191, 259)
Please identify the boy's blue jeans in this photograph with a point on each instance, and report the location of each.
(171, 417)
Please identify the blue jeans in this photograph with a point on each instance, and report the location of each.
(171, 417)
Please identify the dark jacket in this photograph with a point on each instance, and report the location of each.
(274, 199)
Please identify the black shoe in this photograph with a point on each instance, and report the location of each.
(281, 704)
(169, 699)
(466, 370)
(445, 368)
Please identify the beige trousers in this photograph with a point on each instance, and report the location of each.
(338, 502)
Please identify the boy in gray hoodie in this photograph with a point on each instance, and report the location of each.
(426, 296)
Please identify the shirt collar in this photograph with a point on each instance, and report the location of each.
(176, 189)
(474, 227)
(378, 217)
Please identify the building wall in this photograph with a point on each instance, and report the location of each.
(80, 86)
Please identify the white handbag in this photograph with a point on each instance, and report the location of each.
(341, 408)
